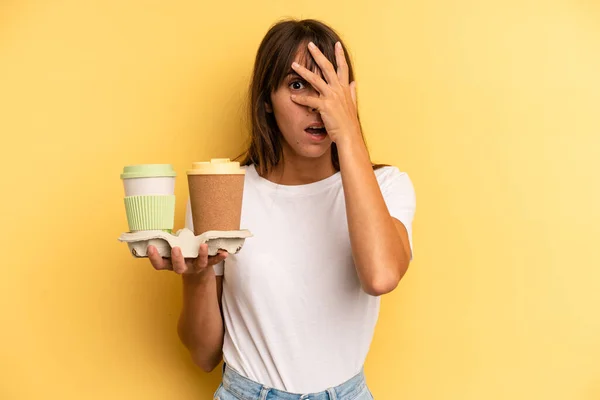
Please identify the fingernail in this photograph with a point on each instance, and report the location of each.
(311, 45)
(295, 64)
(338, 45)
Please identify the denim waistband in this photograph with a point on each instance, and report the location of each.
(247, 389)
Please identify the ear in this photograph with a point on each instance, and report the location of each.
(268, 107)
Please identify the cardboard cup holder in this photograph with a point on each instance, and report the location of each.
(138, 242)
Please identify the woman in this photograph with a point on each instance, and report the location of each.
(293, 313)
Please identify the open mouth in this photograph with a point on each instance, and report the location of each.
(316, 130)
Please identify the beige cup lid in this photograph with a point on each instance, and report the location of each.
(216, 166)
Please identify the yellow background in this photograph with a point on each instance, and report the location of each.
(491, 106)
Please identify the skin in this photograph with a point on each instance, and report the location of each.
(181, 265)
(380, 245)
(305, 160)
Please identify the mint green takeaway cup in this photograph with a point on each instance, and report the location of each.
(149, 196)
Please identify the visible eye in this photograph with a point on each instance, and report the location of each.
(296, 85)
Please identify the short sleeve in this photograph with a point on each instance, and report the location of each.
(189, 224)
(399, 196)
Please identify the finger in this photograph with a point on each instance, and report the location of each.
(221, 255)
(315, 80)
(179, 265)
(353, 91)
(342, 65)
(194, 266)
(156, 259)
(202, 259)
(190, 264)
(323, 63)
(309, 101)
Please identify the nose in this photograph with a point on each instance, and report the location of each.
(313, 93)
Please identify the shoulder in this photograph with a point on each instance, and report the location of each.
(392, 176)
(249, 171)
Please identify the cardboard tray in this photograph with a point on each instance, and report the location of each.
(138, 242)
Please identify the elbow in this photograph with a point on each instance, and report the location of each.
(380, 287)
(384, 283)
(206, 363)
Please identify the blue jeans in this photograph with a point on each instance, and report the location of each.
(237, 387)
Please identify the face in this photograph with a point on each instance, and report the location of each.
(293, 119)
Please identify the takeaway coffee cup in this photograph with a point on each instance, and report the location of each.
(216, 189)
(149, 196)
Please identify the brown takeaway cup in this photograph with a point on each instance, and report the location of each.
(216, 191)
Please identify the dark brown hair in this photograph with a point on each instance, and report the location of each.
(274, 57)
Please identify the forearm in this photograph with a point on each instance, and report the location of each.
(379, 261)
(200, 326)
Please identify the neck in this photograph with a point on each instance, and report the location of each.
(298, 170)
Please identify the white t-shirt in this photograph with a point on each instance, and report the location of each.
(296, 317)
